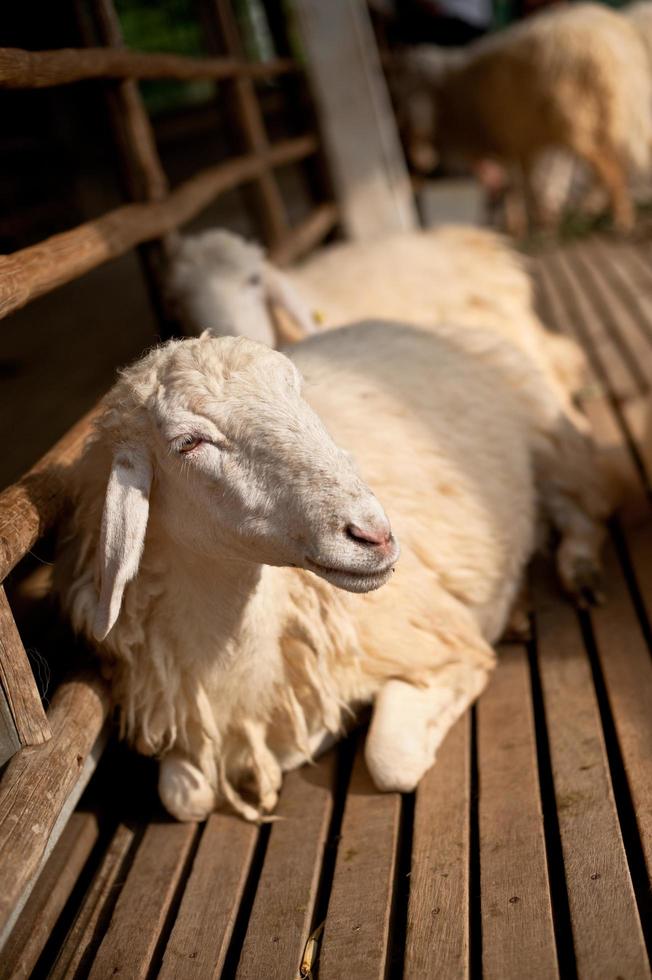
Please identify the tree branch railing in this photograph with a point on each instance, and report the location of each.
(32, 271)
(44, 69)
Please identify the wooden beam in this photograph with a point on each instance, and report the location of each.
(369, 173)
(43, 69)
(307, 235)
(39, 785)
(249, 119)
(28, 508)
(29, 273)
(141, 170)
(18, 686)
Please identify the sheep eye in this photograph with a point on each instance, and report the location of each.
(254, 279)
(189, 443)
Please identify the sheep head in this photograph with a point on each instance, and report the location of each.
(212, 445)
(221, 283)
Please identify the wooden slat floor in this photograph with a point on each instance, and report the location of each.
(527, 850)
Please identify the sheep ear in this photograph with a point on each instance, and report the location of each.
(283, 295)
(124, 522)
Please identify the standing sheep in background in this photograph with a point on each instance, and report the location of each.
(575, 78)
(224, 553)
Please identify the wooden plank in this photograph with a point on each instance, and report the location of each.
(615, 316)
(282, 913)
(38, 783)
(607, 934)
(356, 935)
(42, 69)
(85, 934)
(252, 126)
(28, 508)
(581, 316)
(438, 911)
(624, 480)
(139, 916)
(307, 235)
(637, 413)
(18, 684)
(367, 162)
(29, 273)
(517, 932)
(627, 670)
(52, 890)
(631, 278)
(204, 924)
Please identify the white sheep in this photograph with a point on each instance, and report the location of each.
(235, 570)
(217, 281)
(453, 274)
(573, 77)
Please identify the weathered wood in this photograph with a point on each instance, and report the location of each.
(627, 669)
(42, 69)
(38, 782)
(356, 935)
(280, 919)
(28, 508)
(204, 924)
(76, 953)
(29, 273)
(624, 480)
(18, 684)
(367, 163)
(252, 127)
(607, 934)
(9, 741)
(438, 911)
(307, 235)
(142, 173)
(517, 933)
(616, 318)
(637, 413)
(583, 318)
(134, 931)
(52, 890)
(133, 133)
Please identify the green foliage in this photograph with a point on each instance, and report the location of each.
(166, 26)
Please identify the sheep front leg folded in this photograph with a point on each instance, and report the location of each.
(409, 723)
(185, 791)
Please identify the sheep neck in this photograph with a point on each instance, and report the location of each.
(221, 597)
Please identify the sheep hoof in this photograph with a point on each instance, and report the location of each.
(396, 772)
(585, 583)
(268, 801)
(184, 790)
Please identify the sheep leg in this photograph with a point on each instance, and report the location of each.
(581, 538)
(609, 171)
(409, 724)
(574, 501)
(184, 790)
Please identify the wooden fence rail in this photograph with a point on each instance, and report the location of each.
(32, 271)
(42, 69)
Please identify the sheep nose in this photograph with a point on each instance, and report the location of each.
(380, 538)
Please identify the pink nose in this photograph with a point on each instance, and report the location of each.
(378, 538)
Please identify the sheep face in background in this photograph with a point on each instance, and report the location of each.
(227, 459)
(219, 282)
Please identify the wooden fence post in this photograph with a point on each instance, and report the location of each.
(369, 173)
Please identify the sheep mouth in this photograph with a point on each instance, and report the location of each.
(352, 580)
